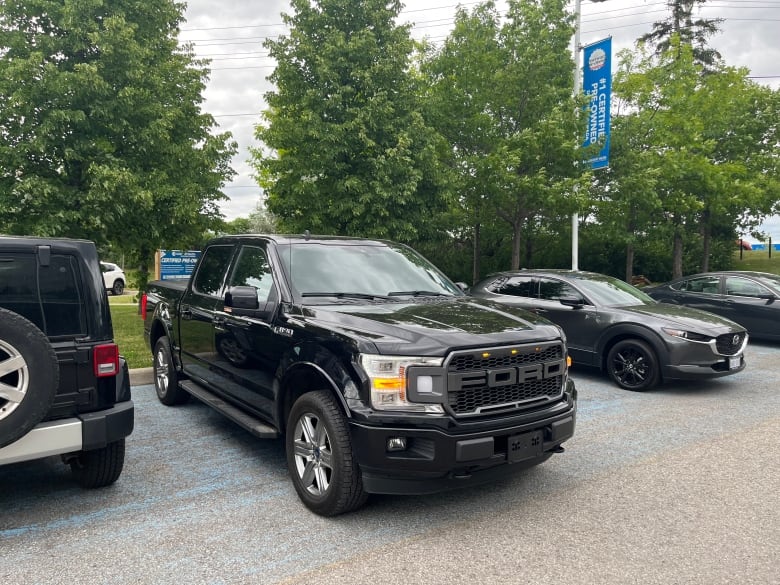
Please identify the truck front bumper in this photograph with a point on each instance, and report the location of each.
(434, 460)
(84, 432)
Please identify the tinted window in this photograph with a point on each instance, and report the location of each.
(252, 269)
(49, 296)
(552, 290)
(744, 288)
(702, 284)
(211, 271)
(517, 286)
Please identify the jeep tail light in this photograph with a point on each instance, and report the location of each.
(142, 307)
(106, 360)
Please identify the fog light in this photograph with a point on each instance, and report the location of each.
(396, 444)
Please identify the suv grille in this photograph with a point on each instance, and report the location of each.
(507, 379)
(729, 343)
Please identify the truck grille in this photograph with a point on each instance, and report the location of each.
(504, 378)
(729, 343)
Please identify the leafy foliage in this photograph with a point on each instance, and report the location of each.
(503, 98)
(348, 149)
(101, 132)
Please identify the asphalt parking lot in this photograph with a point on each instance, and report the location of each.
(678, 485)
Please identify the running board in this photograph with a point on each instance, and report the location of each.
(238, 416)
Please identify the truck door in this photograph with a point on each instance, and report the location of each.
(248, 350)
(196, 313)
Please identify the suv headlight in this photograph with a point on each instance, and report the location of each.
(389, 382)
(689, 335)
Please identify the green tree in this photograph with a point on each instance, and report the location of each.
(347, 150)
(706, 144)
(504, 90)
(101, 130)
(260, 221)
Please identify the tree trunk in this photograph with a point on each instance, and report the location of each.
(677, 255)
(706, 232)
(516, 242)
(629, 262)
(476, 263)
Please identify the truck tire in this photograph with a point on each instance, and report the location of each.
(632, 365)
(320, 457)
(166, 378)
(99, 467)
(29, 376)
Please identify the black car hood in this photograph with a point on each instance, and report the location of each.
(431, 327)
(685, 318)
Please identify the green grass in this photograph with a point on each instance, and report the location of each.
(758, 260)
(129, 331)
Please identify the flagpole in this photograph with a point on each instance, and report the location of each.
(575, 220)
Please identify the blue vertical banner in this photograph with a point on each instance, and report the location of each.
(597, 85)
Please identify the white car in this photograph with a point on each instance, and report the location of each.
(113, 277)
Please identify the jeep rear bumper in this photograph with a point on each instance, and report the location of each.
(84, 432)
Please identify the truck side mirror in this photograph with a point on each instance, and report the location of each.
(242, 297)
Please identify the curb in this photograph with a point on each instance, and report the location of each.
(141, 376)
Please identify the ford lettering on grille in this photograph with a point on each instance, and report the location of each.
(504, 376)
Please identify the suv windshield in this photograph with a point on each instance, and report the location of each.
(362, 269)
(612, 292)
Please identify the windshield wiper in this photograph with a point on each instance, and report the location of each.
(417, 293)
(344, 295)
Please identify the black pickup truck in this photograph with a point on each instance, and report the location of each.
(64, 388)
(380, 373)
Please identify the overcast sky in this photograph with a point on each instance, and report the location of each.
(231, 34)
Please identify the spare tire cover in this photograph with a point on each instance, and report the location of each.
(29, 376)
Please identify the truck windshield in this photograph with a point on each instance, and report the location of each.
(345, 270)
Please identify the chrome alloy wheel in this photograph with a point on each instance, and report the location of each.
(14, 379)
(313, 454)
(161, 368)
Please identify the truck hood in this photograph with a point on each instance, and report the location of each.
(685, 318)
(433, 326)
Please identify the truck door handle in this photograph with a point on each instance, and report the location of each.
(186, 313)
(218, 321)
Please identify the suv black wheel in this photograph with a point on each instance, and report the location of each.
(320, 456)
(118, 288)
(166, 379)
(99, 467)
(29, 376)
(632, 365)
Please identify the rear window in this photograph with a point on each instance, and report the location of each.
(49, 296)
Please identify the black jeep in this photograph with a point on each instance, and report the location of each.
(64, 388)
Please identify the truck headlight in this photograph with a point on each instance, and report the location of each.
(389, 382)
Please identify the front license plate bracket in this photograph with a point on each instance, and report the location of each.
(524, 446)
(734, 362)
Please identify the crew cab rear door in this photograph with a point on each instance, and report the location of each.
(197, 309)
(248, 349)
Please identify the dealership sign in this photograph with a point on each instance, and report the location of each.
(597, 85)
(175, 264)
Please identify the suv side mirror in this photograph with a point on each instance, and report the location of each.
(574, 302)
